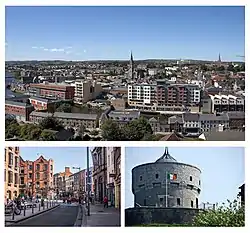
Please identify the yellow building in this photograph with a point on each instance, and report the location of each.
(11, 172)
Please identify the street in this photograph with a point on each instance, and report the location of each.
(63, 216)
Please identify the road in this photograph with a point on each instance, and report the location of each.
(63, 216)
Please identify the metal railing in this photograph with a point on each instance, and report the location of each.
(34, 207)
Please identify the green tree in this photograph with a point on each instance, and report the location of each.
(135, 130)
(65, 107)
(12, 130)
(30, 132)
(47, 136)
(232, 215)
(50, 123)
(111, 131)
(94, 132)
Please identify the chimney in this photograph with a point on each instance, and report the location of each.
(67, 169)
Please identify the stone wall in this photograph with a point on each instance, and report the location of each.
(149, 215)
(149, 185)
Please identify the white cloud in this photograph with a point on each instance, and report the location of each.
(34, 47)
(84, 51)
(45, 49)
(57, 50)
(69, 47)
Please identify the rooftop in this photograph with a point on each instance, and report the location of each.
(166, 157)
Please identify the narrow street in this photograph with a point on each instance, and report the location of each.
(63, 216)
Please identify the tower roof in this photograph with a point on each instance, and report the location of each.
(166, 157)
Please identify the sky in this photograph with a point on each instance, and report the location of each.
(223, 169)
(62, 156)
(110, 33)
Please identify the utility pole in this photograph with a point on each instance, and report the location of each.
(88, 185)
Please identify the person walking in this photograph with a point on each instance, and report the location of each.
(105, 201)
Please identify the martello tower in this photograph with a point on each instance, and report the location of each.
(166, 183)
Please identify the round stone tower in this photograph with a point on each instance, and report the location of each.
(166, 183)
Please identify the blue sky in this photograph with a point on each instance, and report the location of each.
(91, 33)
(62, 156)
(223, 169)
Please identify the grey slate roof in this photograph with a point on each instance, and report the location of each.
(213, 117)
(66, 115)
(190, 116)
(15, 103)
(236, 115)
(133, 114)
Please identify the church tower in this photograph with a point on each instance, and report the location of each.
(131, 66)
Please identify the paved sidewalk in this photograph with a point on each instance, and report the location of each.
(100, 216)
(28, 213)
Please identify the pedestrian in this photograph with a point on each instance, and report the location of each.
(105, 201)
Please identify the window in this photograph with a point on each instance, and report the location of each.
(199, 182)
(191, 178)
(10, 158)
(140, 178)
(45, 167)
(10, 177)
(16, 161)
(161, 199)
(38, 167)
(156, 176)
(21, 180)
(178, 201)
(37, 176)
(197, 203)
(30, 175)
(192, 204)
(16, 178)
(30, 167)
(4, 175)
(51, 167)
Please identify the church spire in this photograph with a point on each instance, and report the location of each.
(219, 60)
(166, 157)
(131, 56)
(131, 66)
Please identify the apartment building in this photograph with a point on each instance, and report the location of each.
(223, 103)
(86, 91)
(117, 176)
(162, 94)
(36, 177)
(141, 95)
(11, 172)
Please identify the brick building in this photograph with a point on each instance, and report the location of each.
(36, 177)
(52, 90)
(19, 110)
(59, 180)
(11, 172)
(41, 103)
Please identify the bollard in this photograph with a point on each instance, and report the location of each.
(32, 208)
(24, 210)
(43, 206)
(50, 204)
(13, 213)
(39, 207)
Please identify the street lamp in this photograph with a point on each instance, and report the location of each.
(88, 185)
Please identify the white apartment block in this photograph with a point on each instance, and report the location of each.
(140, 95)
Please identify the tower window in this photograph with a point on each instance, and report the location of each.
(156, 176)
(192, 204)
(140, 178)
(191, 178)
(178, 201)
(199, 182)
